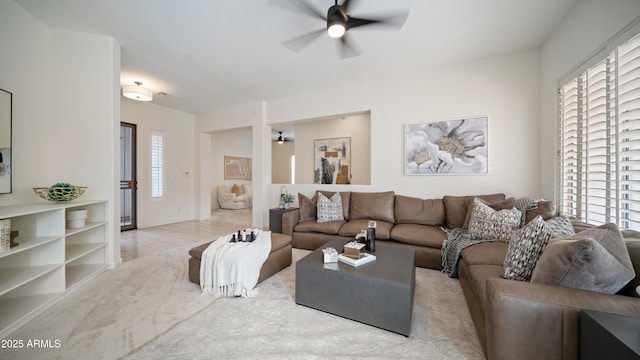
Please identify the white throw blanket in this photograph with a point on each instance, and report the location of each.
(232, 269)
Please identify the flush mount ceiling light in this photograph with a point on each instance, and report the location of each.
(137, 92)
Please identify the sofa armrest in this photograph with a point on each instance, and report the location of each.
(289, 220)
(536, 321)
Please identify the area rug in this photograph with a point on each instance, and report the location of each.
(116, 313)
(147, 309)
(272, 326)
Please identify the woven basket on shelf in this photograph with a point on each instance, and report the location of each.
(60, 194)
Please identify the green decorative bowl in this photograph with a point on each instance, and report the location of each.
(60, 193)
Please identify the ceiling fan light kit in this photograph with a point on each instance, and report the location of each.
(280, 138)
(338, 23)
(137, 92)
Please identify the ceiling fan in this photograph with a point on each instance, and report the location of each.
(338, 23)
(281, 139)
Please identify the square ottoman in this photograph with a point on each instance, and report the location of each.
(279, 258)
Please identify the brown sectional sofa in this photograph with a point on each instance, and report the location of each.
(513, 319)
(402, 220)
(525, 320)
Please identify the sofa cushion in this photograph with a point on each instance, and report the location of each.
(485, 253)
(561, 227)
(372, 206)
(353, 227)
(331, 228)
(487, 223)
(456, 207)
(346, 200)
(478, 276)
(308, 208)
(330, 210)
(498, 205)
(420, 235)
(596, 259)
(525, 248)
(411, 210)
(544, 208)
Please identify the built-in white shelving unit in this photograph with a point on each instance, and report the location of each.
(49, 259)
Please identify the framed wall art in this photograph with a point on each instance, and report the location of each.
(447, 147)
(332, 161)
(237, 168)
(5, 142)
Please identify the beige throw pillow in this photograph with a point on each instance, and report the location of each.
(498, 205)
(596, 259)
(236, 189)
(490, 224)
(561, 227)
(330, 209)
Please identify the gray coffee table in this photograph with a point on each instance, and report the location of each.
(379, 293)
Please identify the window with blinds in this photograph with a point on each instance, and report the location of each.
(599, 130)
(157, 165)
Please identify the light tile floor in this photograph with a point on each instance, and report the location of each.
(143, 242)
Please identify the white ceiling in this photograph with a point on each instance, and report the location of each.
(210, 54)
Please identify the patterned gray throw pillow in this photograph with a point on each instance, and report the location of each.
(488, 224)
(525, 248)
(561, 227)
(330, 209)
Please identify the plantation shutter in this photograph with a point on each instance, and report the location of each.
(157, 165)
(599, 134)
(629, 103)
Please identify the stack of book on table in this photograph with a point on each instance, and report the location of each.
(354, 254)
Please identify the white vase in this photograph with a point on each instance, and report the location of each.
(76, 218)
(287, 205)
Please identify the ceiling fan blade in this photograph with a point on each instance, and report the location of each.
(299, 6)
(395, 21)
(298, 43)
(347, 50)
(355, 22)
(345, 7)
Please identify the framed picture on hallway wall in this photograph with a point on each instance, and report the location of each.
(332, 161)
(447, 147)
(237, 168)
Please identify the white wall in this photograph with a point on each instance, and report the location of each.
(281, 162)
(235, 142)
(65, 107)
(24, 71)
(504, 88)
(248, 115)
(357, 127)
(178, 129)
(589, 25)
(82, 130)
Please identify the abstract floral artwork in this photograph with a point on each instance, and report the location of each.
(237, 168)
(446, 147)
(332, 161)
